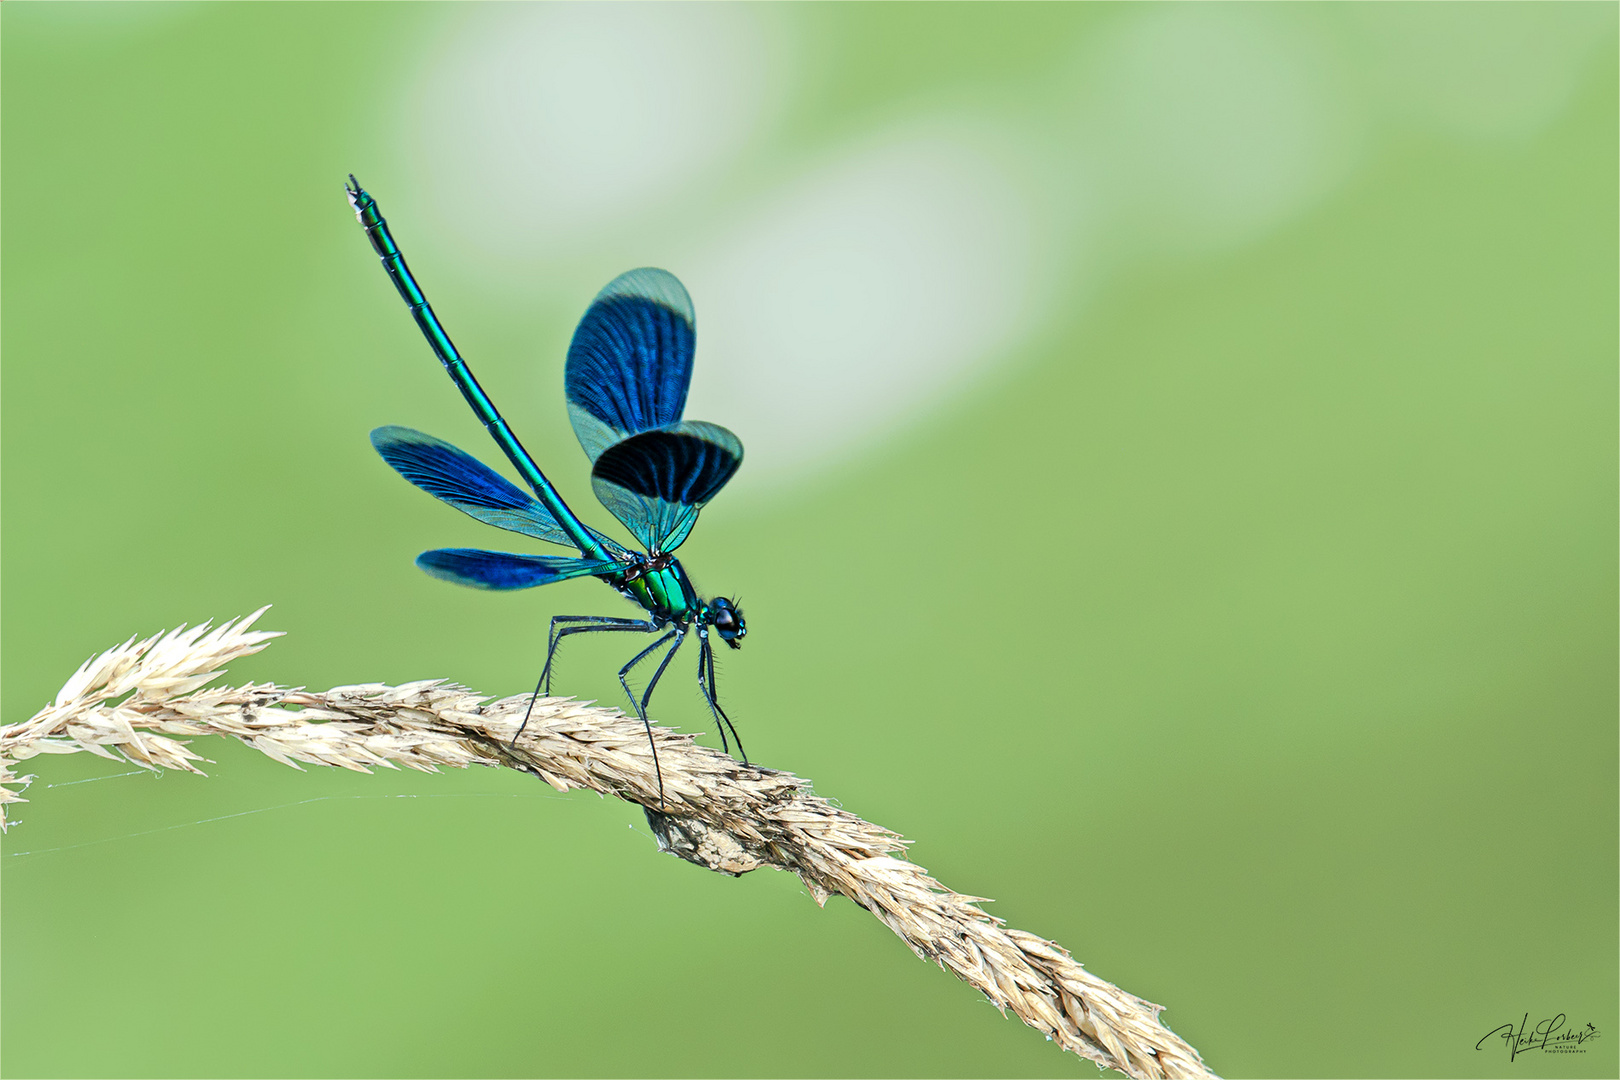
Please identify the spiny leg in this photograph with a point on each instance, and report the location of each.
(714, 698)
(646, 695)
(606, 622)
(554, 638)
(703, 659)
(641, 709)
(711, 694)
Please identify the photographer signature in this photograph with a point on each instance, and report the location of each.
(1549, 1035)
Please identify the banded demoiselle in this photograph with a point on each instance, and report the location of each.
(625, 380)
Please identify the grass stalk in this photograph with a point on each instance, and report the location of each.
(139, 701)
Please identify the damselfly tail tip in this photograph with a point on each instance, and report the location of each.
(355, 193)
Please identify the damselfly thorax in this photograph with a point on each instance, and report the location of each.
(659, 585)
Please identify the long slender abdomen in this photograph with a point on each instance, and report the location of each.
(393, 260)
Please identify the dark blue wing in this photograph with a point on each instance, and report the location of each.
(469, 485)
(631, 359)
(505, 570)
(657, 481)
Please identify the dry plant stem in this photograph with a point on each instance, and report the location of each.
(718, 813)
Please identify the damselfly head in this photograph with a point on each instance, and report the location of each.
(727, 620)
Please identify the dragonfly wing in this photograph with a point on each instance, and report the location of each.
(630, 361)
(657, 481)
(469, 485)
(505, 570)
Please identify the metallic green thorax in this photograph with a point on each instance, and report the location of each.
(665, 593)
(365, 209)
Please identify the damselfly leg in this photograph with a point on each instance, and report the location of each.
(641, 709)
(591, 624)
(712, 696)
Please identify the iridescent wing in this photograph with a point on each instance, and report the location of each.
(630, 362)
(506, 570)
(628, 370)
(657, 481)
(469, 485)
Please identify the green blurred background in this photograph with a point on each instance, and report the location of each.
(1181, 496)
